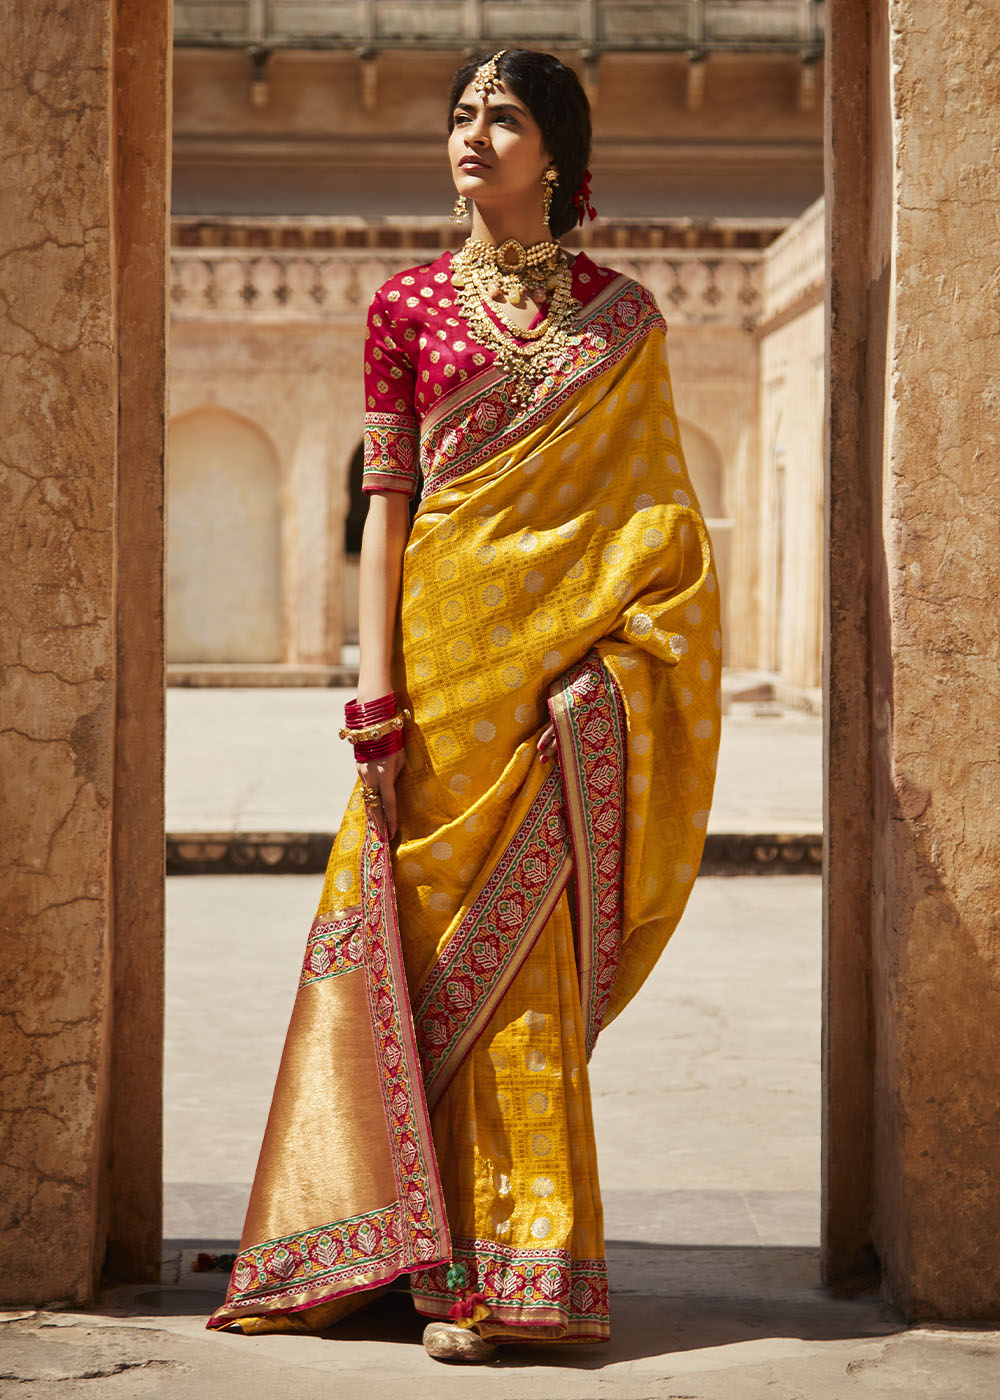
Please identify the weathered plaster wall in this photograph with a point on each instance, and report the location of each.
(83, 203)
(937, 705)
(912, 1131)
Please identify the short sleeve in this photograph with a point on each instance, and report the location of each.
(392, 432)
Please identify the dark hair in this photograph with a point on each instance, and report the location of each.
(553, 95)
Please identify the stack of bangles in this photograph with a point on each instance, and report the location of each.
(374, 728)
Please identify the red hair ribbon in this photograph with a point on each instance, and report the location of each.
(582, 199)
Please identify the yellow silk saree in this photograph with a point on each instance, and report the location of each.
(432, 1110)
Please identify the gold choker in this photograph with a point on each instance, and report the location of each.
(510, 269)
(482, 272)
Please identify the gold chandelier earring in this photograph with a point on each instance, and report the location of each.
(461, 210)
(549, 181)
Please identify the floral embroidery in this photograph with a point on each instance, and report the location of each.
(590, 722)
(323, 1255)
(542, 1288)
(390, 452)
(334, 946)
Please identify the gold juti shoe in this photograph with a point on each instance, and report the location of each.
(446, 1341)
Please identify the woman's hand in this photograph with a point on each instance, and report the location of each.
(547, 746)
(380, 774)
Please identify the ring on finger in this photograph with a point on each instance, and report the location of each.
(371, 796)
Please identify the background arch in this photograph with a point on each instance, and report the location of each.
(223, 598)
(705, 467)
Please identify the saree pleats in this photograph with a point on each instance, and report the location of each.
(568, 576)
(516, 1147)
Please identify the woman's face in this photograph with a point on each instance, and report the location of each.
(496, 149)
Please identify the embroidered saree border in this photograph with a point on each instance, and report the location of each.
(368, 1247)
(611, 325)
(493, 939)
(589, 720)
(421, 1199)
(525, 1288)
(498, 930)
(490, 377)
(317, 1265)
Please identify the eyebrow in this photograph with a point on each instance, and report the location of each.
(491, 107)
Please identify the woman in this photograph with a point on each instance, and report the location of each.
(536, 728)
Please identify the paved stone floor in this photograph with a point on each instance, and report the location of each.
(706, 1098)
(706, 1091)
(706, 1105)
(270, 760)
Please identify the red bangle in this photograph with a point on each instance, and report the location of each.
(359, 715)
(379, 748)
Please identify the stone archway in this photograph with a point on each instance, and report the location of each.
(912, 829)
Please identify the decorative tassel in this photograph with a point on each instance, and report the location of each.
(468, 1311)
(582, 199)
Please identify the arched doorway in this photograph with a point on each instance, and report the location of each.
(707, 471)
(223, 540)
(354, 526)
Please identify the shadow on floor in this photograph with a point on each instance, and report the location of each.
(664, 1298)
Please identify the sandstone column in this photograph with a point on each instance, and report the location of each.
(83, 221)
(913, 986)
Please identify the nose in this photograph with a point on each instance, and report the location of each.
(476, 133)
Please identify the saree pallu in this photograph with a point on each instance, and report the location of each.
(432, 1110)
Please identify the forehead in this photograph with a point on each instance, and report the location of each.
(501, 96)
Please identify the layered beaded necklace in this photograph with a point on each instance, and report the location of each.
(482, 272)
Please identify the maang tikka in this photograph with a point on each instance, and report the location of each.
(485, 80)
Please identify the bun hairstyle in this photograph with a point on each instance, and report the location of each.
(553, 95)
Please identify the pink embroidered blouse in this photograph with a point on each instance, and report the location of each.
(419, 352)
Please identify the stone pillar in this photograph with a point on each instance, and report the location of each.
(913, 823)
(82, 334)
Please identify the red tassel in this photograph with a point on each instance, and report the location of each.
(582, 199)
(465, 1306)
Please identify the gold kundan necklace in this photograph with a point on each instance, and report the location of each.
(482, 272)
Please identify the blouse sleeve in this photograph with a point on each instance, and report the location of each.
(392, 433)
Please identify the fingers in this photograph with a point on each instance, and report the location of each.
(547, 746)
(380, 777)
(387, 790)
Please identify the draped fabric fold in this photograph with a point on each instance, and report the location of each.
(432, 1112)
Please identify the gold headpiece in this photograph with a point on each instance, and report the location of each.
(485, 80)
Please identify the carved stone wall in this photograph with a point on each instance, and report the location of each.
(693, 289)
(82, 292)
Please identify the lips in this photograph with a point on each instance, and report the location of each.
(472, 163)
